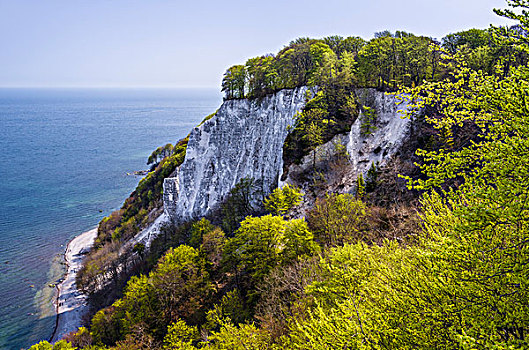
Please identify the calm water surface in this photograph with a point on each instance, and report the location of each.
(64, 155)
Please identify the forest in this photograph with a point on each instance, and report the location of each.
(447, 266)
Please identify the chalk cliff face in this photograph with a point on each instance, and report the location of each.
(244, 139)
(389, 129)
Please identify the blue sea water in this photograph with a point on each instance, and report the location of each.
(64, 156)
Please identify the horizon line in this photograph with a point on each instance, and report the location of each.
(108, 87)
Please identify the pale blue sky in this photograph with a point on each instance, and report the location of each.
(172, 43)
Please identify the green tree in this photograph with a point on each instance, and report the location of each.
(337, 218)
(262, 243)
(360, 187)
(234, 82)
(479, 232)
(257, 245)
(282, 200)
(471, 38)
(242, 337)
(181, 285)
(180, 336)
(372, 178)
(261, 75)
(198, 230)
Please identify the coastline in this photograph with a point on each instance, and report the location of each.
(70, 304)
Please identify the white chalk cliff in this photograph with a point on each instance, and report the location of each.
(243, 140)
(391, 126)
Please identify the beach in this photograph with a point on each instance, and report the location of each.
(71, 304)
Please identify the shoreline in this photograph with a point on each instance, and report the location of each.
(70, 303)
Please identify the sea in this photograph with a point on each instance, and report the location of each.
(64, 159)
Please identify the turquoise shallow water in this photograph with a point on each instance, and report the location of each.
(64, 155)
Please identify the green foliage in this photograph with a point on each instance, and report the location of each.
(233, 82)
(479, 230)
(179, 274)
(43, 345)
(484, 49)
(231, 308)
(333, 63)
(330, 112)
(208, 118)
(353, 301)
(257, 245)
(80, 339)
(341, 45)
(260, 75)
(282, 200)
(139, 248)
(369, 119)
(372, 178)
(298, 241)
(212, 247)
(471, 38)
(388, 61)
(105, 327)
(243, 337)
(337, 218)
(515, 35)
(177, 289)
(198, 230)
(262, 243)
(60, 345)
(180, 336)
(360, 187)
(160, 153)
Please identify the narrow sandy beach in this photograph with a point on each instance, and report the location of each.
(71, 303)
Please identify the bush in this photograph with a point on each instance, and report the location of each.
(337, 219)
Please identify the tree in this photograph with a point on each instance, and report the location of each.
(313, 125)
(181, 285)
(516, 35)
(282, 200)
(472, 38)
(360, 187)
(257, 245)
(261, 75)
(177, 289)
(198, 230)
(262, 243)
(336, 219)
(298, 241)
(160, 153)
(234, 82)
(339, 45)
(242, 337)
(180, 336)
(60, 345)
(371, 179)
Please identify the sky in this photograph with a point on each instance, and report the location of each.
(176, 43)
